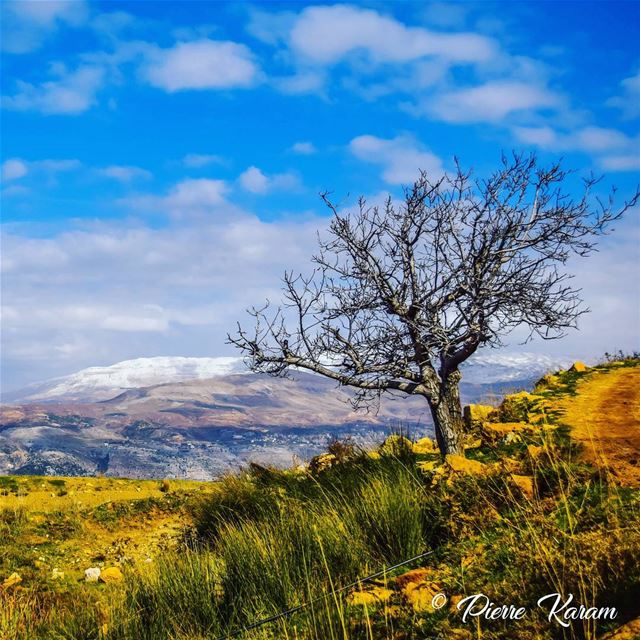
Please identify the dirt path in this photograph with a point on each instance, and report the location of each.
(605, 418)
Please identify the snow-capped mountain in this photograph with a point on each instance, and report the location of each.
(103, 383)
(496, 367)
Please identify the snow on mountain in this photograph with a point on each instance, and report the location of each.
(102, 383)
(493, 367)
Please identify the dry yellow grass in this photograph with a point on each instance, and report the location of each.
(70, 524)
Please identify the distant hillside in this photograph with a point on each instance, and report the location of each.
(199, 418)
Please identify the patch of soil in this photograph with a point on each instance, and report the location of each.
(604, 417)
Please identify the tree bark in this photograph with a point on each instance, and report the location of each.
(447, 416)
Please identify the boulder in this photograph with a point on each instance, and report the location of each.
(414, 576)
(425, 446)
(578, 367)
(370, 597)
(516, 407)
(322, 462)
(460, 464)
(12, 580)
(92, 574)
(420, 595)
(476, 414)
(395, 445)
(111, 574)
(426, 466)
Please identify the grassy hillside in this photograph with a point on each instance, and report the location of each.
(528, 512)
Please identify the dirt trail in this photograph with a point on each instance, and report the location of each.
(605, 418)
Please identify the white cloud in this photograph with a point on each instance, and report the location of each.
(327, 34)
(124, 173)
(13, 169)
(54, 166)
(302, 82)
(270, 27)
(16, 168)
(202, 64)
(305, 148)
(27, 23)
(255, 181)
(491, 102)
(191, 196)
(197, 160)
(622, 162)
(402, 157)
(629, 100)
(612, 149)
(125, 290)
(71, 93)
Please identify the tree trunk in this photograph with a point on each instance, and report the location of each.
(447, 416)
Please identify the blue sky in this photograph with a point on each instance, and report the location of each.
(162, 160)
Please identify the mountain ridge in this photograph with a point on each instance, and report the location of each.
(102, 383)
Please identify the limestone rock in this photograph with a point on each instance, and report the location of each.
(322, 462)
(92, 574)
(426, 466)
(476, 414)
(578, 367)
(112, 574)
(420, 595)
(424, 446)
(369, 598)
(460, 464)
(516, 406)
(12, 580)
(414, 576)
(395, 445)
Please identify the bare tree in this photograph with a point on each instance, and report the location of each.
(400, 296)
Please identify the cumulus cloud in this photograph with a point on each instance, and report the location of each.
(27, 24)
(628, 101)
(402, 157)
(16, 168)
(327, 34)
(191, 196)
(124, 173)
(72, 92)
(305, 148)
(255, 181)
(197, 160)
(202, 64)
(612, 149)
(490, 102)
(13, 169)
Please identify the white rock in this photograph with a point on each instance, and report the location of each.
(92, 574)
